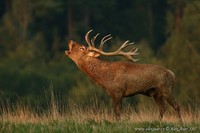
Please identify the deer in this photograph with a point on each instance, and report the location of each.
(122, 79)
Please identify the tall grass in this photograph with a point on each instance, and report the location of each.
(79, 116)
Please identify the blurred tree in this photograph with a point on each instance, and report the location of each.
(14, 31)
(81, 15)
(22, 13)
(182, 48)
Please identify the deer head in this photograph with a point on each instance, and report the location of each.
(77, 51)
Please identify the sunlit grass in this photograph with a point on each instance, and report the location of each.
(78, 117)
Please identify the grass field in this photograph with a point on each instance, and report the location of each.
(95, 119)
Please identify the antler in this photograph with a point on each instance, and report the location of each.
(128, 55)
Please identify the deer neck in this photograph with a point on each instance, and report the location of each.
(96, 69)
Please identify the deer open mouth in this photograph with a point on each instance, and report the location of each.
(67, 52)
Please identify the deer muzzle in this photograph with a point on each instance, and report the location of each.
(67, 52)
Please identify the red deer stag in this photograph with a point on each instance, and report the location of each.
(123, 79)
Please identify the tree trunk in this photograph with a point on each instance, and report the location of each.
(177, 16)
(7, 5)
(70, 28)
(86, 20)
(150, 21)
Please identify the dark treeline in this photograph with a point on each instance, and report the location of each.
(34, 34)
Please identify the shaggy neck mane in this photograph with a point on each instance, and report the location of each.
(97, 69)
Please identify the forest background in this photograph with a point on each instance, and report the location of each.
(34, 36)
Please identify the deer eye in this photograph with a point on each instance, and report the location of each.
(82, 48)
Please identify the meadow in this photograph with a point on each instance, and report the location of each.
(95, 118)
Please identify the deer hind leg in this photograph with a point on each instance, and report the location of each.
(170, 99)
(159, 101)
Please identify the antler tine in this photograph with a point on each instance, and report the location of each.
(134, 51)
(104, 39)
(87, 37)
(93, 39)
(129, 54)
(125, 44)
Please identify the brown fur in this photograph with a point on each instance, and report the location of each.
(124, 79)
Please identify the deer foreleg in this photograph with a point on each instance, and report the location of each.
(117, 107)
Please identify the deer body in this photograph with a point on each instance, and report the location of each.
(124, 79)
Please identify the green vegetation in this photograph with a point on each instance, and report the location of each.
(98, 127)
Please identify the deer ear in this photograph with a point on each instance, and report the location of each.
(93, 54)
